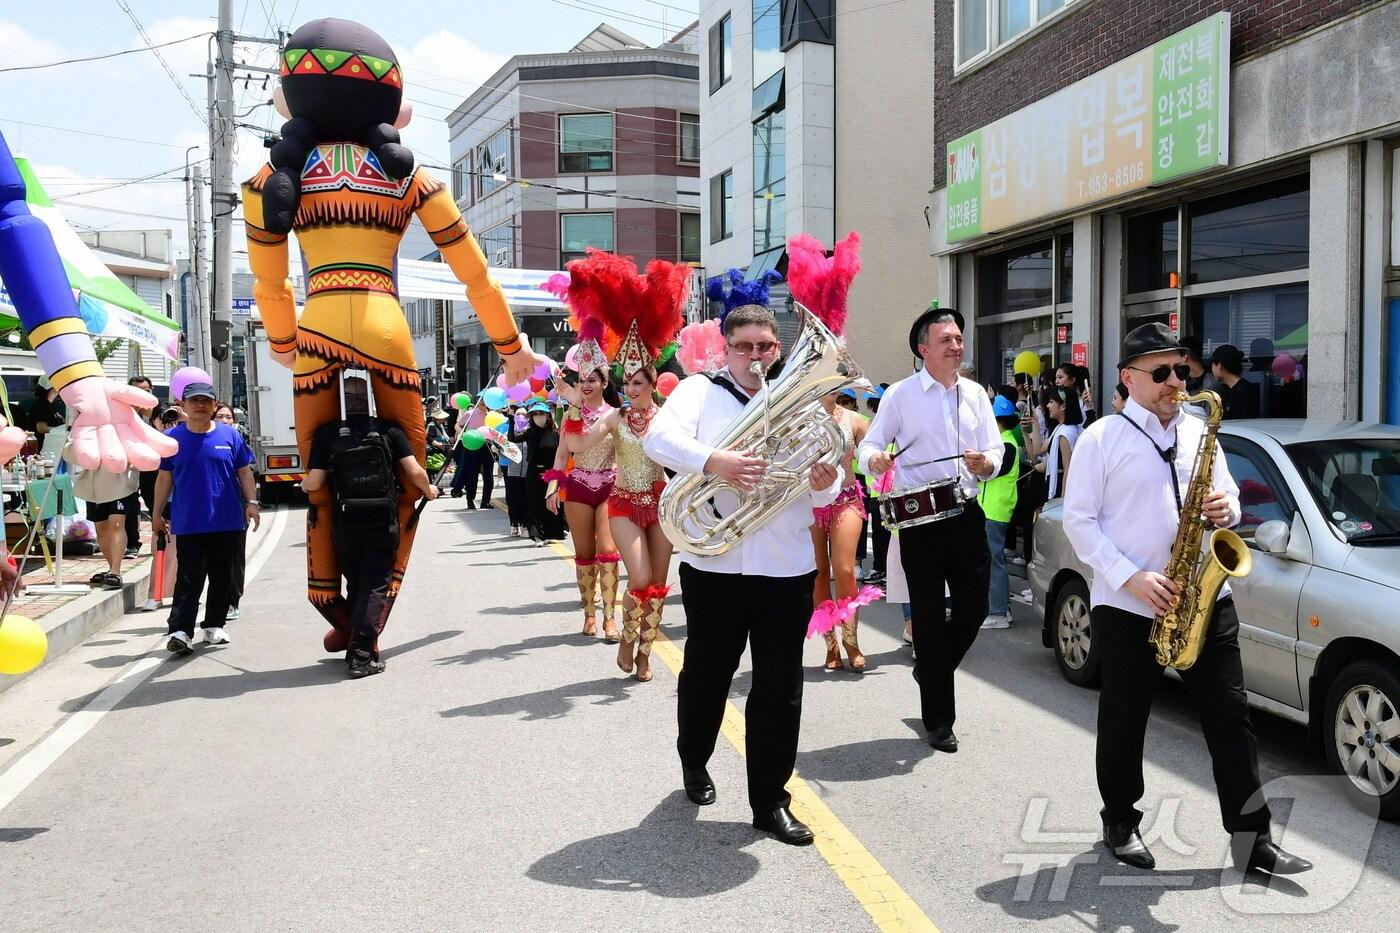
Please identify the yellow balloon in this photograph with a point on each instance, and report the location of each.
(23, 645)
(494, 420)
(1027, 362)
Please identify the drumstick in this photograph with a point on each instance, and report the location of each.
(939, 460)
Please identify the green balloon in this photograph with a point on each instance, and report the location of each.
(462, 401)
(473, 439)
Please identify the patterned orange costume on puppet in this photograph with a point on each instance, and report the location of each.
(340, 179)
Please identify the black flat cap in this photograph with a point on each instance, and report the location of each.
(1148, 338)
(930, 314)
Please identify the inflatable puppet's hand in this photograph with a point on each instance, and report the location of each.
(11, 440)
(108, 431)
(521, 365)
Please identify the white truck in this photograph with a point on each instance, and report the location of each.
(271, 428)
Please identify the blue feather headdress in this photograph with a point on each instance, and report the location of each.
(740, 291)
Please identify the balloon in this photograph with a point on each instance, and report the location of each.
(473, 439)
(462, 401)
(518, 393)
(571, 358)
(184, 376)
(554, 396)
(23, 645)
(1027, 362)
(494, 419)
(501, 382)
(494, 398)
(544, 371)
(541, 394)
(666, 384)
(536, 383)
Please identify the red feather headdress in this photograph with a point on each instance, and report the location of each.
(821, 283)
(633, 318)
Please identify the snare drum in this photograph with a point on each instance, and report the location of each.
(922, 504)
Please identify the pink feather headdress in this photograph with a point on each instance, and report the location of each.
(702, 348)
(821, 283)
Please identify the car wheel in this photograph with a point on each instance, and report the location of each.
(1070, 627)
(1363, 733)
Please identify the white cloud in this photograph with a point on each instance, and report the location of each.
(449, 61)
(23, 48)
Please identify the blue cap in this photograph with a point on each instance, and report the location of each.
(879, 392)
(539, 406)
(1003, 407)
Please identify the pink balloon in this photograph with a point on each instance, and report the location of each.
(501, 381)
(184, 377)
(542, 371)
(571, 358)
(666, 384)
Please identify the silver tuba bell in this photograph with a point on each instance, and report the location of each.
(785, 425)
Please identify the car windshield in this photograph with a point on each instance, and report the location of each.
(1356, 483)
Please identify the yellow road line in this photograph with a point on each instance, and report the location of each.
(890, 907)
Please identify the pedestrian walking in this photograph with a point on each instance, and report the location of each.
(214, 498)
(541, 444)
(997, 497)
(223, 414)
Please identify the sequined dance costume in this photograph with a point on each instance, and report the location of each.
(590, 482)
(852, 495)
(640, 479)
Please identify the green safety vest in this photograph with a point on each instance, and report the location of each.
(998, 496)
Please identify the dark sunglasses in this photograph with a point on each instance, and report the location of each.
(1161, 373)
(763, 346)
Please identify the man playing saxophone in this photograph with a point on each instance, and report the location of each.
(1122, 510)
(758, 593)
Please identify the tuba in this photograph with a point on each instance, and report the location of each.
(784, 424)
(1180, 633)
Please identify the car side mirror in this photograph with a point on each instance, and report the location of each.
(1272, 537)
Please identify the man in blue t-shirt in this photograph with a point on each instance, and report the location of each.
(215, 498)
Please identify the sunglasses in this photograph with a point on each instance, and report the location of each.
(1161, 373)
(763, 346)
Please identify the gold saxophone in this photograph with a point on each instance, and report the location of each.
(1180, 633)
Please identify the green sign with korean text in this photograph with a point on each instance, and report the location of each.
(1160, 114)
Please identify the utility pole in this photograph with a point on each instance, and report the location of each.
(198, 336)
(224, 201)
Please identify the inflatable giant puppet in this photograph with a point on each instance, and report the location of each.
(107, 430)
(342, 181)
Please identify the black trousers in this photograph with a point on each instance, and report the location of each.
(953, 551)
(723, 612)
(879, 535)
(367, 563)
(1216, 685)
(516, 502)
(471, 466)
(544, 524)
(211, 556)
(133, 517)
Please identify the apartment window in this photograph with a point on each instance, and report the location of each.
(767, 33)
(461, 174)
(577, 232)
(688, 248)
(688, 137)
(721, 53)
(494, 163)
(983, 26)
(722, 206)
(586, 142)
(769, 182)
(498, 244)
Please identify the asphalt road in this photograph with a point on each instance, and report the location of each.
(502, 774)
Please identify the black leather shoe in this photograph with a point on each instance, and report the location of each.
(1263, 855)
(786, 827)
(943, 740)
(1127, 846)
(698, 786)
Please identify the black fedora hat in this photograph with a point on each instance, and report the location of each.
(931, 313)
(1148, 338)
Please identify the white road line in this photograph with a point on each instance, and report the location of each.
(26, 769)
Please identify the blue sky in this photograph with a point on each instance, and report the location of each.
(447, 49)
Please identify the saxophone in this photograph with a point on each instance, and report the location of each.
(1180, 633)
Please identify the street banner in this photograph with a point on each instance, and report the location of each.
(1158, 115)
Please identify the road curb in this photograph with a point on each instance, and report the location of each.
(72, 623)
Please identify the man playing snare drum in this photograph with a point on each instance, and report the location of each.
(945, 439)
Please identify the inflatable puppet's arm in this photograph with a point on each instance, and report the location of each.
(272, 289)
(459, 250)
(107, 429)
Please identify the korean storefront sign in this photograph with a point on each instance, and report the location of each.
(1161, 114)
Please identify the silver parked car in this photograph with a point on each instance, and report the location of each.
(1319, 614)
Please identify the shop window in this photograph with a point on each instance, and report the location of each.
(721, 53)
(1151, 244)
(1256, 231)
(769, 182)
(722, 206)
(586, 142)
(1000, 344)
(577, 232)
(1017, 280)
(1066, 270)
(1270, 326)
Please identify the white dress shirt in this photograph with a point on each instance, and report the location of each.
(680, 437)
(929, 421)
(1120, 510)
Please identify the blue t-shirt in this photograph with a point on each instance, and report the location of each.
(207, 496)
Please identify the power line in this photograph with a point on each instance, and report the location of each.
(122, 184)
(65, 129)
(98, 58)
(141, 30)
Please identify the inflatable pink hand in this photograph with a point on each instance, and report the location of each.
(108, 431)
(11, 440)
